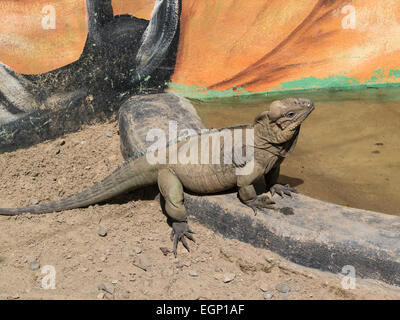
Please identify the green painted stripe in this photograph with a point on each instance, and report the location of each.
(379, 79)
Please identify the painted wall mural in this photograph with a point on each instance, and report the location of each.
(89, 55)
(231, 46)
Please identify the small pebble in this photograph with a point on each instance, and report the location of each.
(281, 287)
(218, 276)
(268, 258)
(127, 253)
(114, 282)
(193, 273)
(264, 287)
(108, 134)
(267, 296)
(137, 250)
(101, 295)
(229, 277)
(165, 251)
(34, 202)
(102, 232)
(34, 265)
(102, 287)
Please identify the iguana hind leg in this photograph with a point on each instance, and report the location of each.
(172, 190)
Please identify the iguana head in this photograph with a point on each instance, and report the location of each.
(280, 125)
(288, 114)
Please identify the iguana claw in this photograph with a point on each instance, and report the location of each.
(282, 190)
(261, 202)
(180, 230)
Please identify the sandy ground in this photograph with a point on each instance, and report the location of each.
(128, 263)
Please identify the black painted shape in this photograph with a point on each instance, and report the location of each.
(105, 73)
(100, 12)
(42, 125)
(158, 37)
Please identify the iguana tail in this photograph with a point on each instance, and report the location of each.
(125, 178)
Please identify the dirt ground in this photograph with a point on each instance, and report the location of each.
(127, 263)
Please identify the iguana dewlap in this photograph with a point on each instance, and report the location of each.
(275, 136)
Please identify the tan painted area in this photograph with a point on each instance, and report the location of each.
(28, 48)
(260, 44)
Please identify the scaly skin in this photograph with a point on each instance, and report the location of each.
(275, 135)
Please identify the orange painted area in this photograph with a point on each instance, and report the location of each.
(137, 8)
(28, 48)
(260, 44)
(257, 44)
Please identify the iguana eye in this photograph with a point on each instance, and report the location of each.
(290, 114)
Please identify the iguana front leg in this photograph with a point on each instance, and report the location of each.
(249, 197)
(172, 191)
(247, 192)
(271, 179)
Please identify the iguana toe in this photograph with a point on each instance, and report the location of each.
(189, 236)
(180, 230)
